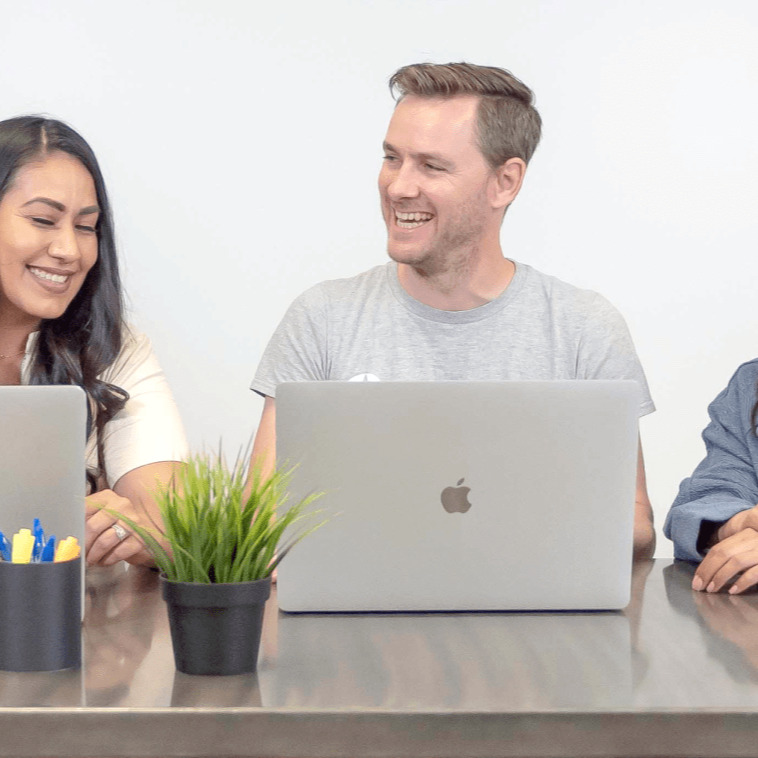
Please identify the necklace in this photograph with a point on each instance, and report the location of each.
(11, 355)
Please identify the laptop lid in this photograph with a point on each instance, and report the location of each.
(461, 495)
(42, 468)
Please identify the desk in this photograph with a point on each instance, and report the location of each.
(675, 674)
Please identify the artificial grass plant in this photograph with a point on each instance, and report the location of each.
(215, 533)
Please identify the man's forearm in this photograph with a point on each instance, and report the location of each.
(644, 538)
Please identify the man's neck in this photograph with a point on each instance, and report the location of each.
(458, 289)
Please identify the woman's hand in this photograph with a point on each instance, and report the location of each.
(105, 544)
(734, 556)
(134, 496)
(738, 522)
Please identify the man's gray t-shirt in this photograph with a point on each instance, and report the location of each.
(368, 326)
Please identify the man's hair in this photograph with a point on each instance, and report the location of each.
(508, 125)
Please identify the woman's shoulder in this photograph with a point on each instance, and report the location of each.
(136, 351)
(745, 377)
(132, 339)
(740, 394)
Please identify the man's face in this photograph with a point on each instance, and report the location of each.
(434, 184)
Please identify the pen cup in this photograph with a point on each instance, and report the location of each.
(40, 616)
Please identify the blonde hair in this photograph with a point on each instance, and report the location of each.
(508, 124)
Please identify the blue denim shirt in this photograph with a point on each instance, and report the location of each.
(726, 480)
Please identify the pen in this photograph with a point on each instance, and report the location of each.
(48, 552)
(39, 540)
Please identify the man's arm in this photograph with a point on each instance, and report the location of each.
(297, 352)
(264, 446)
(644, 533)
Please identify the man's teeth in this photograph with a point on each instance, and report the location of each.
(40, 274)
(412, 220)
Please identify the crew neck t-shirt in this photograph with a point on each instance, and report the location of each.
(368, 327)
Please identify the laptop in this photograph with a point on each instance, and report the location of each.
(461, 496)
(42, 469)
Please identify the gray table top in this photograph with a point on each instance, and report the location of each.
(676, 673)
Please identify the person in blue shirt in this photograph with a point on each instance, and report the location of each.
(714, 519)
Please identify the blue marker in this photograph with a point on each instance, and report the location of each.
(48, 552)
(5, 548)
(39, 540)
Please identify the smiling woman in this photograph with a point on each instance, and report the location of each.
(48, 245)
(61, 322)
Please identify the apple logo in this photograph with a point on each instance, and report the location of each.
(455, 499)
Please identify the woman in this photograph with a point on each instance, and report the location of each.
(61, 322)
(714, 519)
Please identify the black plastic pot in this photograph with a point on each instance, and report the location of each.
(216, 628)
(40, 616)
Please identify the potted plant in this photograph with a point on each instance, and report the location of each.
(222, 538)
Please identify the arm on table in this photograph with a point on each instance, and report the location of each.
(732, 551)
(644, 533)
(132, 495)
(714, 518)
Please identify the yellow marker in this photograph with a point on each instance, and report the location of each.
(67, 550)
(23, 543)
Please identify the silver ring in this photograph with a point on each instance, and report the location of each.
(121, 533)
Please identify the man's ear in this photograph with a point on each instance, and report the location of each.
(506, 182)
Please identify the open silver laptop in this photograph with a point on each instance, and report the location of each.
(42, 470)
(461, 495)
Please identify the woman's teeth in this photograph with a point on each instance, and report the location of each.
(40, 274)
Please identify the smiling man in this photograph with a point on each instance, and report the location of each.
(449, 305)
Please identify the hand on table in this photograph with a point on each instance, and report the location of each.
(734, 556)
(738, 522)
(104, 546)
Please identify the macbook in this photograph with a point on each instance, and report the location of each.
(461, 496)
(42, 470)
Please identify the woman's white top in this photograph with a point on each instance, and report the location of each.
(148, 429)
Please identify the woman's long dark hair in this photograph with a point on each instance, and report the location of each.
(79, 345)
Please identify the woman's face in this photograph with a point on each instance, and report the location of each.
(48, 239)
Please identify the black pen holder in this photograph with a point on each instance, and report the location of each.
(40, 616)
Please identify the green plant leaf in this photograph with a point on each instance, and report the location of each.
(225, 524)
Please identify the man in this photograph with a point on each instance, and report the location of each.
(449, 305)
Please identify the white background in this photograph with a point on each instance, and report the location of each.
(241, 141)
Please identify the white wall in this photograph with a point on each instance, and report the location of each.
(241, 142)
